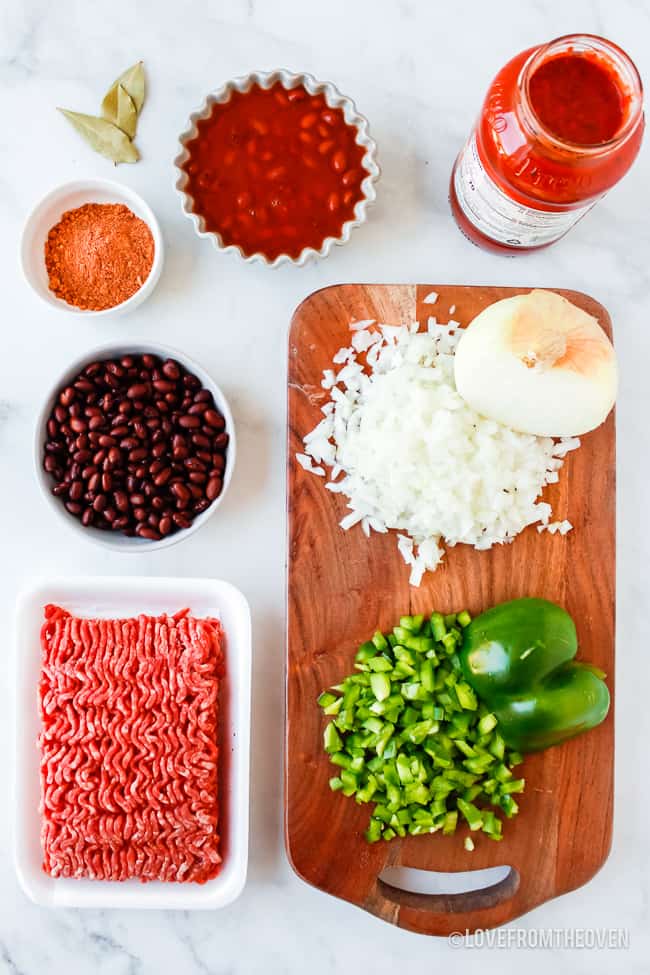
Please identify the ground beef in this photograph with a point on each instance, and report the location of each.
(129, 747)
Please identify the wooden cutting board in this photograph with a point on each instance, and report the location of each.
(342, 587)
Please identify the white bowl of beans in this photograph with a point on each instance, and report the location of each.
(276, 168)
(134, 446)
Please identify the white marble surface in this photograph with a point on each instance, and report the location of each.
(418, 70)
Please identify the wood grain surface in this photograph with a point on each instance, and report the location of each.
(342, 587)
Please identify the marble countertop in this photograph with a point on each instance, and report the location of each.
(418, 70)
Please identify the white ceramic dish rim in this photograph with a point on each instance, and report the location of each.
(124, 595)
(122, 193)
(334, 99)
(118, 542)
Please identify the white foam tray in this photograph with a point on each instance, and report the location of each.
(118, 597)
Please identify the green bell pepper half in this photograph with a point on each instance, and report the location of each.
(519, 658)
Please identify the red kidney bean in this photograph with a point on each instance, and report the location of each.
(181, 492)
(221, 441)
(87, 517)
(73, 507)
(213, 489)
(218, 462)
(121, 501)
(94, 482)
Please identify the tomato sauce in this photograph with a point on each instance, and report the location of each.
(275, 170)
(577, 99)
(560, 125)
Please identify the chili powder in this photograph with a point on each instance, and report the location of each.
(98, 255)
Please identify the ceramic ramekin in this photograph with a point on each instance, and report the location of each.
(334, 99)
(47, 214)
(116, 540)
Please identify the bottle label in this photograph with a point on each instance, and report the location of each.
(497, 216)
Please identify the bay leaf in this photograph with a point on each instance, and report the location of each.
(133, 81)
(103, 136)
(118, 107)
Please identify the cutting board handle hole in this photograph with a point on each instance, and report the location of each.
(458, 892)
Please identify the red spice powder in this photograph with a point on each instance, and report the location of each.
(98, 255)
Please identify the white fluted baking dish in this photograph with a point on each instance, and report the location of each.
(334, 98)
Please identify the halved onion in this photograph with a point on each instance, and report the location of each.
(538, 364)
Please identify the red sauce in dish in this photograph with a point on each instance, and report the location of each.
(275, 170)
(578, 99)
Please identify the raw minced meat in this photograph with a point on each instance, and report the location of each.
(129, 748)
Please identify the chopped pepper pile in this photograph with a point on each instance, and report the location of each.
(409, 734)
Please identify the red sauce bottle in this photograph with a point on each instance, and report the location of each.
(560, 125)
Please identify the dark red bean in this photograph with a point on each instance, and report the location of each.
(165, 525)
(171, 369)
(87, 517)
(129, 443)
(76, 491)
(52, 428)
(121, 501)
(73, 507)
(213, 488)
(140, 514)
(203, 396)
(162, 476)
(115, 456)
(197, 409)
(106, 440)
(189, 422)
(99, 457)
(198, 477)
(222, 440)
(202, 505)
(218, 462)
(194, 464)
(77, 424)
(138, 454)
(67, 395)
(181, 520)
(107, 481)
(95, 482)
(138, 390)
(146, 531)
(200, 440)
(214, 419)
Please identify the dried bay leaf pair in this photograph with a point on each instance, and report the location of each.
(112, 134)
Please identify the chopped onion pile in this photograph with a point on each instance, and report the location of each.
(415, 457)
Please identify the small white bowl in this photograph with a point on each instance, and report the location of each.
(115, 597)
(116, 540)
(334, 98)
(47, 214)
